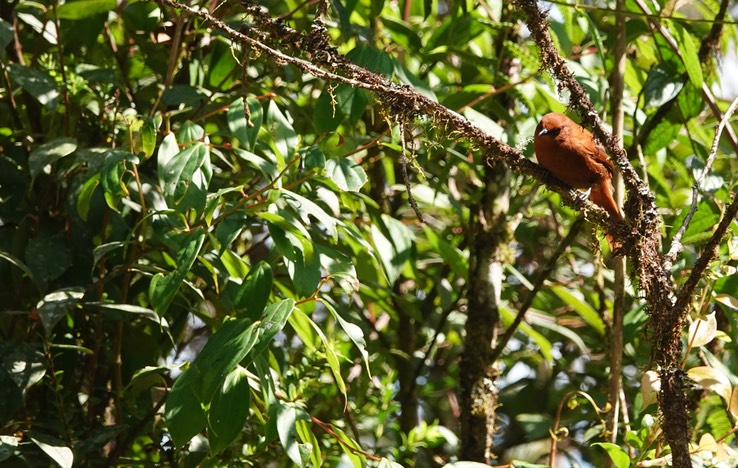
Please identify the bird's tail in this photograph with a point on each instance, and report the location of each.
(601, 195)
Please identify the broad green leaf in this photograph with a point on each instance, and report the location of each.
(255, 290)
(37, 83)
(148, 314)
(85, 196)
(352, 102)
(583, 309)
(702, 331)
(49, 153)
(346, 174)
(688, 52)
(662, 85)
(619, 457)
(285, 137)
(115, 166)
(273, 321)
(661, 136)
(306, 208)
(163, 288)
(82, 9)
(17, 262)
(183, 413)
(286, 419)
(313, 158)
(168, 149)
(56, 304)
(354, 332)
(179, 94)
(222, 352)
(711, 379)
(6, 33)
(185, 169)
(544, 345)
(239, 125)
(48, 256)
(24, 365)
(309, 439)
(8, 446)
(148, 136)
(394, 244)
(54, 448)
(220, 74)
(265, 166)
(229, 410)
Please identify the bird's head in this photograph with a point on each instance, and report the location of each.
(552, 124)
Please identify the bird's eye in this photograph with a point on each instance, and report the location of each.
(554, 132)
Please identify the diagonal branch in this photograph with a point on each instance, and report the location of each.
(402, 101)
(676, 243)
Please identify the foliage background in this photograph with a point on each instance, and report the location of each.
(211, 257)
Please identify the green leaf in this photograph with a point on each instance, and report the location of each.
(328, 115)
(178, 94)
(163, 288)
(239, 125)
(662, 85)
(273, 321)
(48, 256)
(544, 345)
(394, 244)
(229, 410)
(49, 153)
(305, 208)
(303, 265)
(37, 83)
(226, 348)
(619, 457)
(255, 290)
(584, 310)
(17, 262)
(222, 65)
(352, 102)
(56, 304)
(54, 448)
(262, 164)
(133, 309)
(688, 52)
(183, 412)
(115, 167)
(661, 136)
(346, 174)
(187, 168)
(285, 137)
(82, 9)
(286, 420)
(148, 135)
(85, 196)
(9, 445)
(354, 332)
(6, 33)
(308, 437)
(313, 158)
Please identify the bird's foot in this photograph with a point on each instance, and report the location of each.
(582, 196)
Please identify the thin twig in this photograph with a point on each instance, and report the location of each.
(676, 243)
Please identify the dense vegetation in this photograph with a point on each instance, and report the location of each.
(212, 254)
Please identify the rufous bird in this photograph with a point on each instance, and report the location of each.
(572, 154)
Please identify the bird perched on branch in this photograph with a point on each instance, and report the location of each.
(571, 153)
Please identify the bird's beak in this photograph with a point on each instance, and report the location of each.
(543, 132)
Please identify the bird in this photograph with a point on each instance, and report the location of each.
(572, 154)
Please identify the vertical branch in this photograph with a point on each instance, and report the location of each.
(617, 88)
